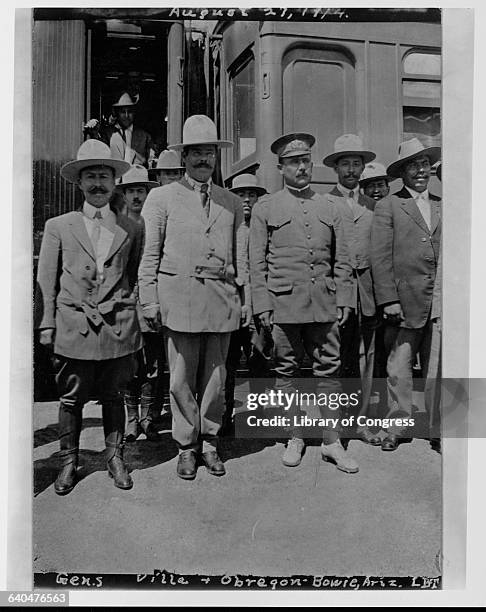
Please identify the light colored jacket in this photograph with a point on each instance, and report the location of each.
(92, 320)
(193, 266)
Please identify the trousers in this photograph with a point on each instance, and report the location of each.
(197, 376)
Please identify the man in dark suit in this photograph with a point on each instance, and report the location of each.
(87, 273)
(358, 334)
(405, 246)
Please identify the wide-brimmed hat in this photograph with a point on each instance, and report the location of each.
(293, 144)
(93, 153)
(348, 144)
(247, 181)
(125, 100)
(199, 130)
(169, 160)
(137, 175)
(373, 172)
(410, 149)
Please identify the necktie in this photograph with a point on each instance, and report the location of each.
(351, 199)
(123, 135)
(97, 230)
(205, 198)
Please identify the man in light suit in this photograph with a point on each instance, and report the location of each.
(405, 246)
(358, 335)
(192, 281)
(87, 272)
(302, 285)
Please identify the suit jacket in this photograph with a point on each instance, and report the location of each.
(192, 265)
(299, 264)
(357, 231)
(404, 255)
(141, 145)
(93, 320)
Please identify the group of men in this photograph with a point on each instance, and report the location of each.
(205, 273)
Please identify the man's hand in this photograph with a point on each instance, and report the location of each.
(393, 313)
(152, 318)
(245, 316)
(266, 320)
(46, 338)
(343, 314)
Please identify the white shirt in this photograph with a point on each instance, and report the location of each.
(106, 226)
(129, 153)
(351, 200)
(423, 204)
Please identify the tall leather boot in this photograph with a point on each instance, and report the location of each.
(69, 432)
(146, 417)
(114, 425)
(133, 428)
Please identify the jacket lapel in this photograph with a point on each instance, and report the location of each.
(193, 205)
(215, 209)
(118, 239)
(435, 215)
(79, 231)
(411, 208)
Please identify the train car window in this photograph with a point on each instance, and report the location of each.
(421, 94)
(243, 111)
(422, 63)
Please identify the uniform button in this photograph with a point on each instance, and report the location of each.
(305, 212)
(311, 251)
(308, 236)
(88, 268)
(208, 256)
(312, 265)
(313, 279)
(306, 224)
(424, 239)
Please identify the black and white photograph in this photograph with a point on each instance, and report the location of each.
(243, 294)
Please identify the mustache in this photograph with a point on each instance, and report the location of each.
(95, 190)
(203, 165)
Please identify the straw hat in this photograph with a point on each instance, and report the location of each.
(169, 160)
(348, 144)
(199, 130)
(293, 144)
(407, 151)
(137, 175)
(125, 100)
(93, 153)
(247, 181)
(373, 172)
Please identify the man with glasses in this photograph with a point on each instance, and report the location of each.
(302, 287)
(192, 281)
(405, 246)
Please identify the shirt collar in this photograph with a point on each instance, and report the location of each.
(196, 185)
(128, 129)
(345, 191)
(90, 210)
(416, 195)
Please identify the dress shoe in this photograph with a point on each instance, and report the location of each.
(213, 463)
(117, 468)
(369, 437)
(66, 478)
(336, 454)
(391, 442)
(186, 465)
(292, 455)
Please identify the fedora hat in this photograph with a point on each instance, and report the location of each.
(373, 172)
(247, 181)
(137, 175)
(410, 149)
(93, 153)
(199, 130)
(293, 144)
(348, 144)
(125, 100)
(169, 160)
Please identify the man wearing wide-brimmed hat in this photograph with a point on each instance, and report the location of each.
(192, 281)
(126, 141)
(302, 286)
(405, 247)
(374, 181)
(358, 335)
(168, 168)
(145, 386)
(87, 273)
(252, 340)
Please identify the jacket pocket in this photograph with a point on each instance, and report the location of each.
(280, 286)
(325, 218)
(281, 230)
